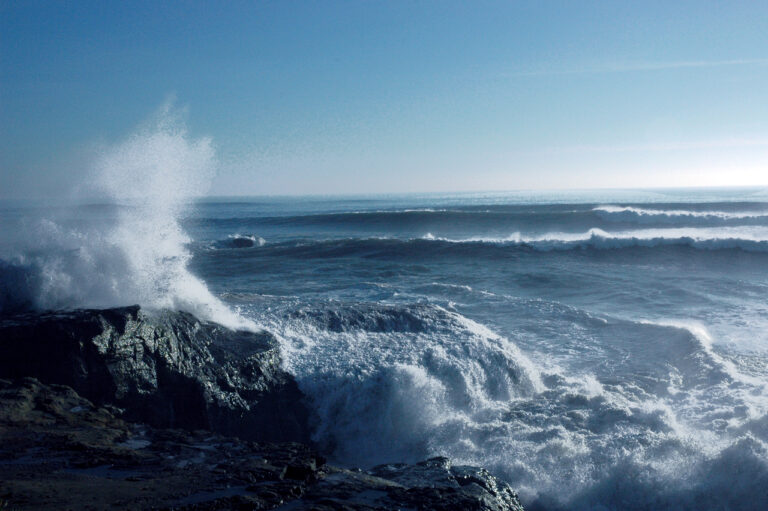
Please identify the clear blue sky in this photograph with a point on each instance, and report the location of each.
(351, 97)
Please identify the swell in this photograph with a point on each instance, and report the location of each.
(509, 218)
(593, 240)
(705, 239)
(407, 220)
(706, 217)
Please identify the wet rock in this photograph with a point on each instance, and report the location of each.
(60, 451)
(122, 408)
(429, 485)
(165, 369)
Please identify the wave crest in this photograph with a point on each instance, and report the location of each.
(752, 240)
(676, 216)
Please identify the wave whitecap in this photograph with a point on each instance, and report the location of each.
(748, 239)
(675, 216)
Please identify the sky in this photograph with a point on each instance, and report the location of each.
(394, 96)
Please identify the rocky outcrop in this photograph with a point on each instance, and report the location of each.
(165, 369)
(433, 484)
(60, 451)
(127, 409)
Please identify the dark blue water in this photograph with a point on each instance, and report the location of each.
(598, 350)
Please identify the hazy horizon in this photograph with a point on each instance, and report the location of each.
(546, 194)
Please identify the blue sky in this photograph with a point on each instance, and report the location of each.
(367, 97)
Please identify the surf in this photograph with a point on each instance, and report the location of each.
(138, 252)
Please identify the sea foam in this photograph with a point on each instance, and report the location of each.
(574, 410)
(751, 239)
(674, 216)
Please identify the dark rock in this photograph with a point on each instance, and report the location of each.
(242, 242)
(429, 485)
(165, 369)
(60, 451)
(89, 400)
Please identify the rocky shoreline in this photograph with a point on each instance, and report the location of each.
(125, 409)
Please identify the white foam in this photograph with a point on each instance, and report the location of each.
(566, 439)
(257, 240)
(700, 333)
(754, 239)
(387, 383)
(139, 255)
(643, 215)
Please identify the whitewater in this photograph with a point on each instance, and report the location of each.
(595, 349)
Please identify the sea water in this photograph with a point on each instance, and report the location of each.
(595, 349)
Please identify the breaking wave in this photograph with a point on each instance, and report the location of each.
(386, 381)
(678, 216)
(594, 239)
(397, 382)
(608, 374)
(130, 250)
(752, 240)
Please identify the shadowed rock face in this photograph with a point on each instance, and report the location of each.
(88, 399)
(59, 451)
(165, 369)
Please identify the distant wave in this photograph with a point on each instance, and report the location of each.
(675, 216)
(376, 218)
(497, 221)
(706, 239)
(593, 239)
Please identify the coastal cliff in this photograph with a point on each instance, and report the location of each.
(159, 410)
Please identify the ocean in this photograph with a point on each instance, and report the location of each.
(596, 349)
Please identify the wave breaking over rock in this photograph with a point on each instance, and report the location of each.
(135, 251)
(143, 373)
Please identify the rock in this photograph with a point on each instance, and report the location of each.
(135, 410)
(60, 451)
(165, 369)
(433, 484)
(243, 242)
(432, 490)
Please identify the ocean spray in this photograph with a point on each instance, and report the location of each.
(135, 250)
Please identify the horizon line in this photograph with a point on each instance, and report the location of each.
(101, 200)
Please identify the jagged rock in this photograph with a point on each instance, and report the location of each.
(431, 485)
(59, 451)
(165, 369)
(145, 373)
